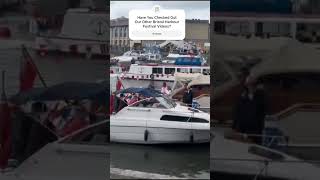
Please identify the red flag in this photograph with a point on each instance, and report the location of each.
(28, 72)
(119, 84)
(5, 132)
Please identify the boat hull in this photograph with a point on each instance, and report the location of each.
(157, 135)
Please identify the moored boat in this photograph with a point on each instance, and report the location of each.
(158, 120)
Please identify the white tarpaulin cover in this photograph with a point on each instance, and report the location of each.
(200, 80)
(85, 25)
(294, 57)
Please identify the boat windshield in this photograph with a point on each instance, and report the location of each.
(155, 102)
(166, 102)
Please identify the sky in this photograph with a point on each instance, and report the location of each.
(193, 9)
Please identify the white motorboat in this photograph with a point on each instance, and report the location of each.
(291, 83)
(157, 120)
(232, 159)
(83, 32)
(81, 155)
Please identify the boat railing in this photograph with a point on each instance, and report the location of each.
(267, 140)
(310, 107)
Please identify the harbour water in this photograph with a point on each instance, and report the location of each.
(172, 161)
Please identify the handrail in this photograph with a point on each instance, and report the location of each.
(202, 95)
(245, 136)
(133, 109)
(313, 107)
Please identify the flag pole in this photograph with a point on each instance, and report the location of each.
(25, 52)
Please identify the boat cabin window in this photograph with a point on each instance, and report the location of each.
(183, 70)
(169, 70)
(156, 70)
(96, 135)
(183, 119)
(206, 71)
(195, 70)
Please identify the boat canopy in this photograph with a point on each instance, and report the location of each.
(147, 92)
(65, 91)
(295, 57)
(181, 78)
(200, 80)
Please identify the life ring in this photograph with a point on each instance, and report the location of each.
(146, 134)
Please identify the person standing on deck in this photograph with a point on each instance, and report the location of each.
(250, 111)
(188, 95)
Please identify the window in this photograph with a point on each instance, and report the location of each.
(115, 42)
(195, 70)
(115, 32)
(183, 70)
(206, 71)
(156, 70)
(125, 32)
(198, 120)
(183, 119)
(120, 42)
(169, 70)
(174, 118)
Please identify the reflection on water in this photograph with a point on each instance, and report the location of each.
(176, 160)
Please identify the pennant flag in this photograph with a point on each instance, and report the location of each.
(28, 72)
(5, 129)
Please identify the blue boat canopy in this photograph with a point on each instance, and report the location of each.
(65, 91)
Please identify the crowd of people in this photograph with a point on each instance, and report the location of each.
(118, 102)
